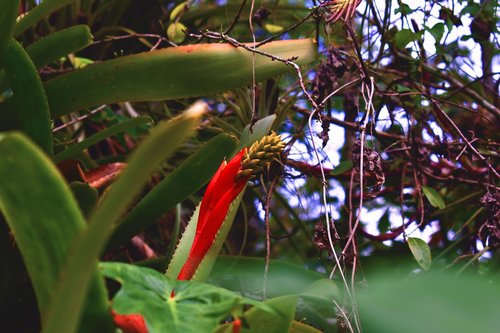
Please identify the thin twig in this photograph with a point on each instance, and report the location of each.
(369, 111)
(236, 18)
(269, 194)
(76, 120)
(157, 44)
(270, 39)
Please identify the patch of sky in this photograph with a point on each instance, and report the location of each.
(221, 107)
(336, 191)
(426, 13)
(309, 3)
(428, 136)
(384, 121)
(221, 2)
(321, 45)
(451, 234)
(260, 209)
(480, 247)
(371, 217)
(425, 234)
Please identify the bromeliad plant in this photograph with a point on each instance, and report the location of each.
(212, 221)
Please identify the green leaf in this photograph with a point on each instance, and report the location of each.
(45, 219)
(261, 320)
(101, 135)
(59, 44)
(403, 8)
(342, 167)
(430, 303)
(175, 32)
(421, 252)
(55, 46)
(472, 8)
(315, 303)
(435, 199)
(273, 28)
(185, 71)
(8, 16)
(246, 274)
(178, 10)
(66, 304)
(85, 195)
(290, 13)
(261, 128)
(404, 37)
(29, 100)
(437, 31)
(298, 327)
(41, 11)
(79, 62)
(196, 307)
(185, 180)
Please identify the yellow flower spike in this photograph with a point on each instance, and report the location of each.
(261, 154)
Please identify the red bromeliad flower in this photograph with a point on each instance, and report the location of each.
(224, 187)
(227, 183)
(130, 323)
(237, 325)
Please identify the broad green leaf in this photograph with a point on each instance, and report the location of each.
(246, 274)
(196, 307)
(29, 100)
(472, 9)
(8, 16)
(421, 252)
(185, 71)
(431, 303)
(41, 11)
(299, 327)
(45, 219)
(260, 320)
(86, 196)
(185, 180)
(261, 128)
(342, 167)
(101, 135)
(315, 303)
(404, 37)
(224, 14)
(55, 46)
(437, 31)
(324, 289)
(435, 199)
(59, 44)
(65, 307)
